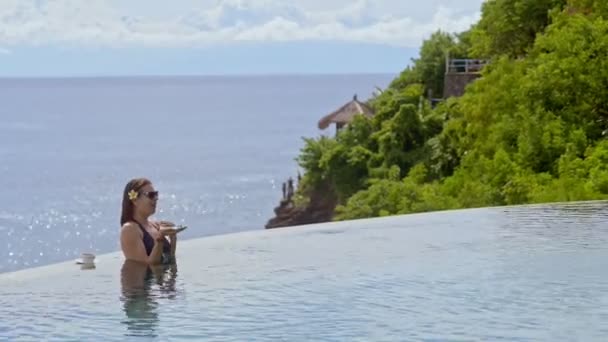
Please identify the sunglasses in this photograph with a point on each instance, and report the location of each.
(151, 194)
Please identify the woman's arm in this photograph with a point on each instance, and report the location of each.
(157, 251)
(172, 237)
(173, 240)
(133, 246)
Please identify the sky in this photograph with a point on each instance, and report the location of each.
(40, 38)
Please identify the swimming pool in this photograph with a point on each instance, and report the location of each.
(529, 273)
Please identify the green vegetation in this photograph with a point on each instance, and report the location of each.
(530, 130)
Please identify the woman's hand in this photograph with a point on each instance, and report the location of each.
(164, 228)
(171, 233)
(166, 224)
(167, 228)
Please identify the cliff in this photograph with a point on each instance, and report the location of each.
(320, 208)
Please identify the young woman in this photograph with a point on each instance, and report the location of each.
(141, 239)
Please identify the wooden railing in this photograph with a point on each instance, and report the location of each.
(465, 66)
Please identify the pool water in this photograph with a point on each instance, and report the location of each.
(528, 273)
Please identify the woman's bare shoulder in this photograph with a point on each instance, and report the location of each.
(129, 228)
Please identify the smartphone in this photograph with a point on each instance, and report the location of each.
(180, 228)
(177, 229)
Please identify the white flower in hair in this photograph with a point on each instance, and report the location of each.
(133, 195)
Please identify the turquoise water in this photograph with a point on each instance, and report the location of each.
(534, 273)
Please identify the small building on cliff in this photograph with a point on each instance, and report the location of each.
(345, 114)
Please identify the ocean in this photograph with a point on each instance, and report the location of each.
(217, 149)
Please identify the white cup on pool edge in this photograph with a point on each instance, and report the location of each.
(87, 266)
(87, 258)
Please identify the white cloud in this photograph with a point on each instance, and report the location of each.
(4, 51)
(106, 23)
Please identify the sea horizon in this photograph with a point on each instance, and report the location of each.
(186, 76)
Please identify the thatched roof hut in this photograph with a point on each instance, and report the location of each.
(345, 114)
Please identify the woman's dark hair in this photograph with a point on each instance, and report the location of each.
(127, 205)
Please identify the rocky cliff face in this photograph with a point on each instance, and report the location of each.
(319, 209)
